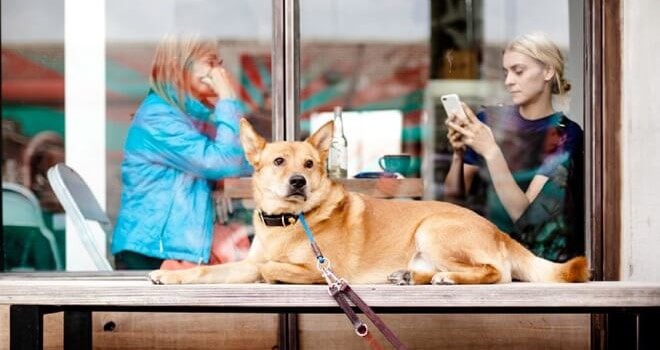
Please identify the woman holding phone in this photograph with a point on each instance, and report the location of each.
(183, 135)
(524, 161)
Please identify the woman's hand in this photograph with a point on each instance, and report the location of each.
(474, 134)
(218, 80)
(455, 138)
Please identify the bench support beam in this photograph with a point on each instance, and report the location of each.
(288, 331)
(26, 327)
(78, 329)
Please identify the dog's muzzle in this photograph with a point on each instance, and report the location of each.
(297, 186)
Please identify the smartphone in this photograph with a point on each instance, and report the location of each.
(453, 105)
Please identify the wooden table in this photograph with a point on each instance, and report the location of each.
(633, 307)
(240, 188)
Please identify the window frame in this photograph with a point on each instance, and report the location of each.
(603, 126)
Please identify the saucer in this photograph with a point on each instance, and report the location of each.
(377, 175)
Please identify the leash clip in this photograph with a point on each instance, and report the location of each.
(330, 278)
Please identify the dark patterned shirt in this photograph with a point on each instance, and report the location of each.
(553, 224)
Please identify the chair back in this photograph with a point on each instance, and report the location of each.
(21, 208)
(85, 212)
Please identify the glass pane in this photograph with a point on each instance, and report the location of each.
(32, 133)
(372, 59)
(242, 31)
(387, 64)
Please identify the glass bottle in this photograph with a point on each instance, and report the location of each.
(338, 155)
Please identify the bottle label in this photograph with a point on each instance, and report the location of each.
(337, 173)
(337, 161)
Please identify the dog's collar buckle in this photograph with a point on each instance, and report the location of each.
(283, 220)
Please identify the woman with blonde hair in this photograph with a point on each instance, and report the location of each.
(524, 161)
(184, 134)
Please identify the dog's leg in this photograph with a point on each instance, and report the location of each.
(244, 271)
(408, 277)
(466, 274)
(237, 272)
(420, 271)
(289, 273)
(458, 254)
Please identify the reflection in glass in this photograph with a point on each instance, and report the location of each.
(242, 31)
(32, 133)
(371, 58)
(380, 59)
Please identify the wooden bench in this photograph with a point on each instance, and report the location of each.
(633, 307)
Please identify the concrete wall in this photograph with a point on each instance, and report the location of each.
(641, 141)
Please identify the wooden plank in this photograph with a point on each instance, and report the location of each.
(138, 330)
(140, 292)
(141, 330)
(241, 188)
(454, 331)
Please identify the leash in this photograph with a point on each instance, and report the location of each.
(341, 291)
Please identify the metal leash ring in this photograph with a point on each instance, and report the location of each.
(323, 265)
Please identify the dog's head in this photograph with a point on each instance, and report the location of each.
(289, 177)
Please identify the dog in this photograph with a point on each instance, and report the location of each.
(367, 240)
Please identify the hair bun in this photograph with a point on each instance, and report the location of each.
(561, 86)
(566, 86)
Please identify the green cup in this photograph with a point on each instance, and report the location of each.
(395, 163)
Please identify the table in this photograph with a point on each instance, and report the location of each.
(241, 188)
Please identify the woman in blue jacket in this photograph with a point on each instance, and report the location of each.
(184, 135)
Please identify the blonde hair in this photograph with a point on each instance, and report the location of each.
(172, 64)
(538, 46)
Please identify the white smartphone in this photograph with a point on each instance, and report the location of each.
(453, 105)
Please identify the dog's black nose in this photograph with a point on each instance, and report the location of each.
(297, 181)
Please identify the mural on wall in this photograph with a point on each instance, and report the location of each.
(356, 76)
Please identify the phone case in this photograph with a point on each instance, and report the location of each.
(452, 104)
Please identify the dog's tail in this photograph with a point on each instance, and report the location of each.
(528, 267)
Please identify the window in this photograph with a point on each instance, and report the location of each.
(378, 58)
(391, 60)
(32, 132)
(243, 31)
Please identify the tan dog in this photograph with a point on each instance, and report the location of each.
(367, 240)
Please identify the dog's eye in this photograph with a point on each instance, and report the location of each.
(278, 161)
(309, 164)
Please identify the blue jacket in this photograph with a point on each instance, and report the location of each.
(166, 204)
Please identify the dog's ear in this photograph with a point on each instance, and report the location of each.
(252, 142)
(322, 137)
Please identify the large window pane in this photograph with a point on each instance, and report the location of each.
(32, 131)
(372, 59)
(243, 30)
(387, 63)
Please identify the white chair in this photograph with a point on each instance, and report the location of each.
(21, 208)
(86, 214)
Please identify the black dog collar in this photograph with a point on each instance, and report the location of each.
(285, 219)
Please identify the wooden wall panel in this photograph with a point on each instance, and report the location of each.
(253, 331)
(163, 331)
(454, 331)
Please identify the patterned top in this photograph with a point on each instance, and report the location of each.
(553, 224)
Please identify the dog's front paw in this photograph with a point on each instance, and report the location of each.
(401, 278)
(164, 277)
